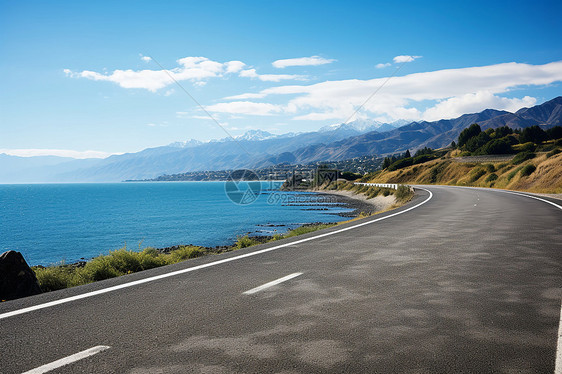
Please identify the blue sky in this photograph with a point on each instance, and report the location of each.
(76, 76)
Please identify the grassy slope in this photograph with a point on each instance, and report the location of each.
(547, 178)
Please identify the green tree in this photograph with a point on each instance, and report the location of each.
(555, 132)
(533, 134)
(468, 133)
(477, 141)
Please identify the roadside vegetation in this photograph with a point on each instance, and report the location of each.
(347, 183)
(116, 263)
(124, 261)
(524, 160)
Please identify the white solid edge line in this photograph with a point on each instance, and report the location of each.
(558, 364)
(504, 191)
(68, 360)
(272, 283)
(188, 270)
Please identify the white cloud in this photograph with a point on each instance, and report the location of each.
(453, 91)
(251, 73)
(194, 69)
(145, 58)
(381, 65)
(234, 66)
(203, 117)
(245, 96)
(473, 103)
(301, 61)
(245, 107)
(404, 58)
(56, 152)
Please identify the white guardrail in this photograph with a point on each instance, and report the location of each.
(384, 185)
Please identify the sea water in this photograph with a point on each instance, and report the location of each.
(50, 223)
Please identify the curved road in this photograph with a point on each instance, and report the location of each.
(468, 281)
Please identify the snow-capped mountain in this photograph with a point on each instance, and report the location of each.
(256, 135)
(186, 143)
(361, 126)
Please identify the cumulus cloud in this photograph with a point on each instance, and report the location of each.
(475, 102)
(234, 66)
(251, 73)
(450, 92)
(301, 61)
(381, 65)
(194, 69)
(404, 58)
(245, 107)
(56, 152)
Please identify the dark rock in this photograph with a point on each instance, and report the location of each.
(16, 277)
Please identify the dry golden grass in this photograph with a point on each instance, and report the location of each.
(547, 178)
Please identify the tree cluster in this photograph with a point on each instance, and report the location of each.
(501, 139)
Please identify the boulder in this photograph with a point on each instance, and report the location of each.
(16, 277)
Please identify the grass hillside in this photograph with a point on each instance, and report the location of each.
(541, 174)
(528, 160)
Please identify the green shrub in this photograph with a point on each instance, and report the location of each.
(489, 168)
(492, 177)
(185, 253)
(513, 173)
(306, 229)
(553, 152)
(373, 192)
(422, 158)
(386, 192)
(403, 193)
(521, 157)
(245, 241)
(528, 170)
(527, 147)
(54, 278)
(435, 171)
(477, 174)
(402, 163)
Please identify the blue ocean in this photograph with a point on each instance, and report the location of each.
(50, 223)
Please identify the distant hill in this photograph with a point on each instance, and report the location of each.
(15, 169)
(190, 155)
(435, 134)
(257, 149)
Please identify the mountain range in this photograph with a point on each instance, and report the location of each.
(257, 148)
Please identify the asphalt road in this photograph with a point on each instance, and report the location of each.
(468, 282)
